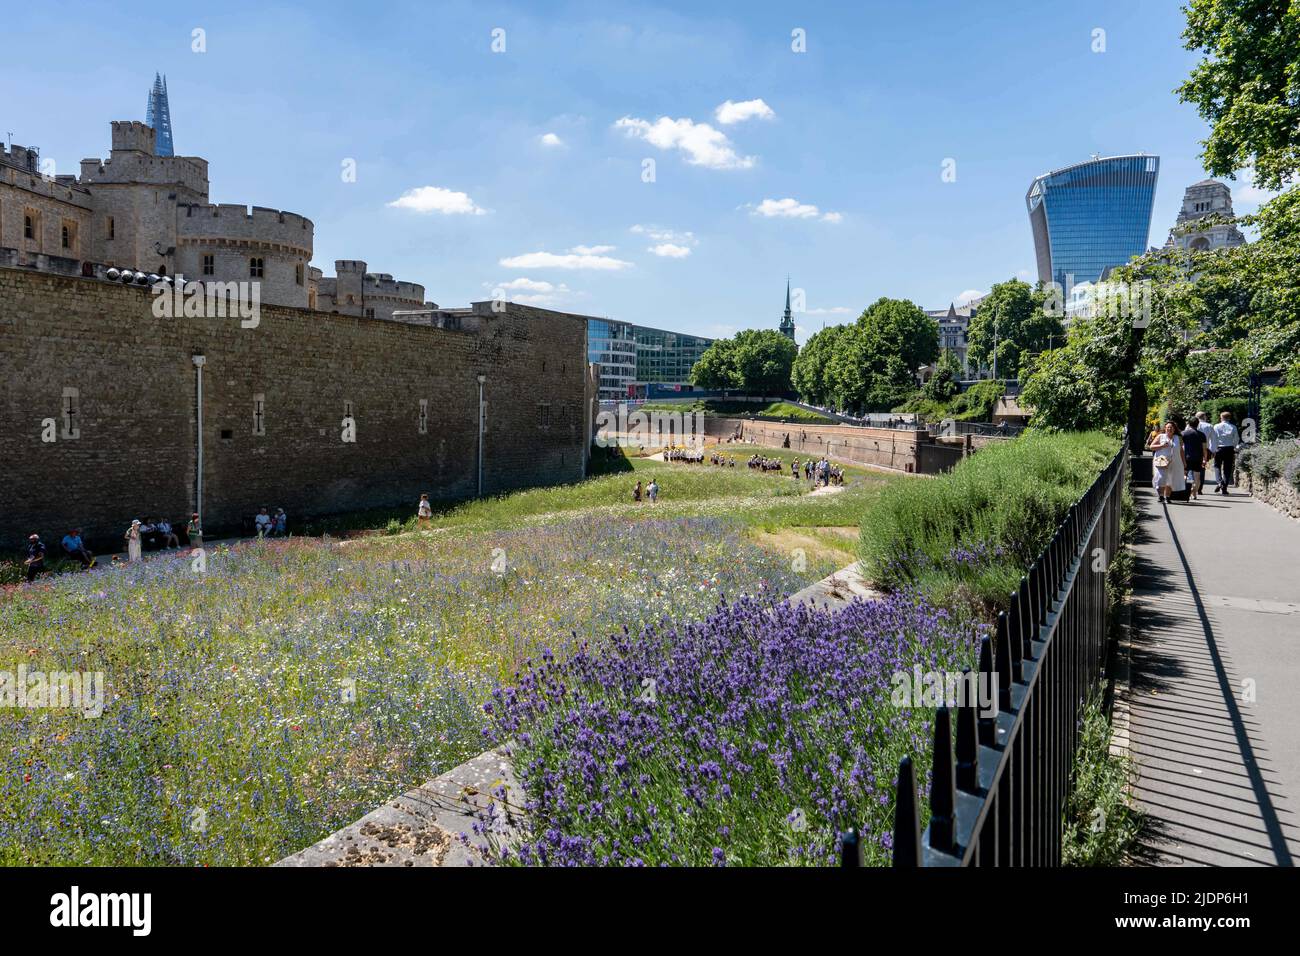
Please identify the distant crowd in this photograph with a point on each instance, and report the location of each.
(151, 534)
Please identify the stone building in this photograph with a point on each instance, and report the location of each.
(1203, 200)
(354, 291)
(112, 412)
(142, 211)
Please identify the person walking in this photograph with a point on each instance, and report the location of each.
(133, 540)
(1202, 422)
(636, 492)
(652, 490)
(35, 561)
(193, 532)
(1225, 458)
(1196, 455)
(1169, 465)
(424, 511)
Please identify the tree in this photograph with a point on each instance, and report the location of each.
(1245, 87)
(1012, 318)
(809, 373)
(757, 361)
(716, 369)
(943, 385)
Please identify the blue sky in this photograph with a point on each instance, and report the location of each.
(835, 178)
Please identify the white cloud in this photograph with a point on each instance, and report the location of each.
(702, 144)
(591, 250)
(665, 235)
(550, 139)
(793, 209)
(833, 310)
(729, 112)
(550, 260)
(669, 250)
(531, 285)
(427, 199)
(967, 295)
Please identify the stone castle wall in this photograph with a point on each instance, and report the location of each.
(907, 450)
(135, 408)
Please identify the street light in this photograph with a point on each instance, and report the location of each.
(481, 380)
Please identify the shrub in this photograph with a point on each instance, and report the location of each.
(976, 404)
(1271, 461)
(755, 737)
(1280, 413)
(1100, 824)
(1002, 504)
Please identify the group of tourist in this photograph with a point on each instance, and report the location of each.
(650, 493)
(153, 534)
(763, 463)
(821, 473)
(684, 454)
(1182, 451)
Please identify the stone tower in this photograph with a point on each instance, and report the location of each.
(1203, 200)
(787, 321)
(159, 115)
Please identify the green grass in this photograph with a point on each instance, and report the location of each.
(776, 411)
(224, 685)
(967, 536)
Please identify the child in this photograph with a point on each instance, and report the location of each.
(424, 511)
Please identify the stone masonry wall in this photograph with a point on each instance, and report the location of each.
(884, 447)
(1280, 495)
(135, 409)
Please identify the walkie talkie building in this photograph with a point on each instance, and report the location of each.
(1091, 216)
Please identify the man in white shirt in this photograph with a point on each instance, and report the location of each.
(1226, 440)
(1205, 428)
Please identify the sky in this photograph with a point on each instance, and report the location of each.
(485, 146)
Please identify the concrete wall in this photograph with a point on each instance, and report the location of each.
(135, 408)
(908, 450)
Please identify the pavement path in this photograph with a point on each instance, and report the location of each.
(1213, 710)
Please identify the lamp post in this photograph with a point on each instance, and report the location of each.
(481, 415)
(199, 361)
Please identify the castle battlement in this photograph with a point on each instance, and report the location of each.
(237, 221)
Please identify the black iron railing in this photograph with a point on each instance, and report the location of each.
(997, 798)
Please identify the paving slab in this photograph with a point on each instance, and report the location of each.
(1213, 723)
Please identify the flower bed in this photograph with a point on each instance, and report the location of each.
(754, 737)
(291, 687)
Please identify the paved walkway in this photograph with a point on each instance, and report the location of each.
(1214, 708)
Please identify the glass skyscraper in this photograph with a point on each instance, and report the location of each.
(666, 358)
(158, 114)
(1091, 216)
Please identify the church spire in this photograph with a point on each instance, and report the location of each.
(787, 320)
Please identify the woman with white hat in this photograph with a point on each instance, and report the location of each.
(133, 540)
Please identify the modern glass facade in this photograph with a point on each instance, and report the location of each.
(1091, 216)
(666, 357)
(629, 355)
(612, 345)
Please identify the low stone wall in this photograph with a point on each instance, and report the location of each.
(907, 450)
(1279, 495)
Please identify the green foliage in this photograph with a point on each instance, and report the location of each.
(809, 372)
(976, 404)
(1013, 316)
(943, 384)
(1272, 461)
(1245, 87)
(1279, 413)
(870, 365)
(1006, 501)
(757, 361)
(1100, 824)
